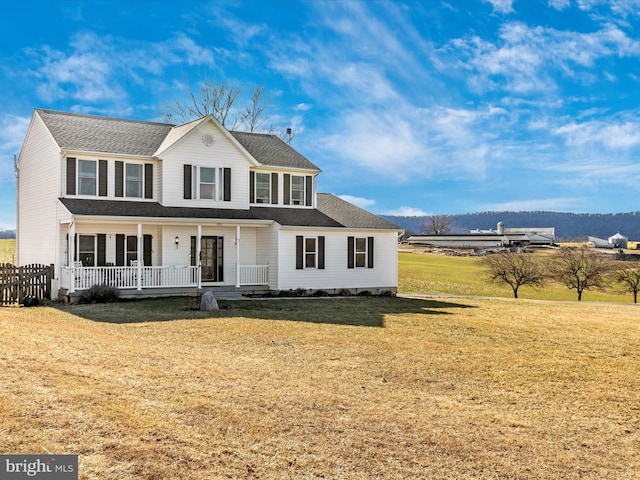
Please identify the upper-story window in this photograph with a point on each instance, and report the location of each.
(87, 177)
(263, 188)
(134, 180)
(297, 190)
(207, 183)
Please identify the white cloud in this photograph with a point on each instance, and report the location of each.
(525, 59)
(359, 201)
(560, 4)
(12, 132)
(502, 6)
(97, 69)
(610, 135)
(408, 212)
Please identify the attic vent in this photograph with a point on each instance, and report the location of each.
(208, 139)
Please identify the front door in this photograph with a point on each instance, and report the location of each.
(211, 255)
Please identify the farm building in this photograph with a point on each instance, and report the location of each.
(501, 237)
(614, 241)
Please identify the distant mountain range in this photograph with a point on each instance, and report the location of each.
(7, 234)
(569, 226)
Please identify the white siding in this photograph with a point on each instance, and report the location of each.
(336, 275)
(190, 150)
(267, 254)
(38, 197)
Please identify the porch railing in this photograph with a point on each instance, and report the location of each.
(253, 275)
(82, 278)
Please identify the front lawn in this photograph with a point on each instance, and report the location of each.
(356, 388)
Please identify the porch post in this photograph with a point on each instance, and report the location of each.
(72, 255)
(139, 258)
(199, 255)
(237, 256)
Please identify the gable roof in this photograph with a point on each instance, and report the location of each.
(110, 135)
(271, 150)
(90, 133)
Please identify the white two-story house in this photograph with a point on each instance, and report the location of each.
(159, 209)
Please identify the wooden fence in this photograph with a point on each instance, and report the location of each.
(19, 282)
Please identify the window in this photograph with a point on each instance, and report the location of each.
(207, 183)
(134, 180)
(86, 250)
(360, 252)
(297, 190)
(263, 188)
(132, 249)
(309, 252)
(87, 176)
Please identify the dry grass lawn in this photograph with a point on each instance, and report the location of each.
(360, 388)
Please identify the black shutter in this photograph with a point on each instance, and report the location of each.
(146, 250)
(299, 252)
(287, 189)
(120, 249)
(148, 180)
(187, 182)
(369, 252)
(321, 252)
(252, 187)
(119, 179)
(101, 259)
(274, 188)
(309, 191)
(193, 252)
(227, 184)
(71, 176)
(350, 252)
(102, 178)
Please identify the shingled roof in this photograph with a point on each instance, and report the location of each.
(332, 212)
(91, 133)
(351, 216)
(271, 150)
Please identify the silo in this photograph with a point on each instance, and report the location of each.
(618, 241)
(500, 228)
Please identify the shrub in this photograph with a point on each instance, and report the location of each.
(365, 293)
(100, 294)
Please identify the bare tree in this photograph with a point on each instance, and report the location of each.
(579, 269)
(220, 99)
(629, 276)
(252, 116)
(437, 225)
(514, 269)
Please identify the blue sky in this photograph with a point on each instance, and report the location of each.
(409, 107)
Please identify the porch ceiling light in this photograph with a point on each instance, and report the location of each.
(176, 241)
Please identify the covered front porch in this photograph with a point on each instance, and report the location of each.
(150, 258)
